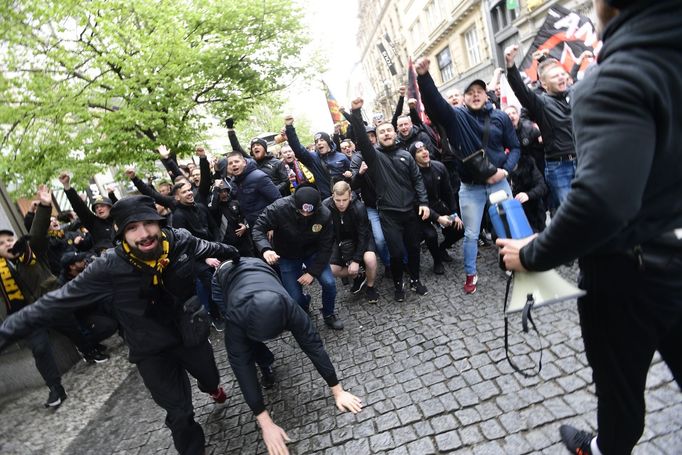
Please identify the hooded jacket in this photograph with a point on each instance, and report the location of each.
(112, 283)
(258, 308)
(254, 190)
(353, 221)
(627, 191)
(327, 169)
(395, 174)
(296, 236)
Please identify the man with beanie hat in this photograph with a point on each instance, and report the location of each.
(626, 204)
(327, 164)
(303, 234)
(144, 284)
(97, 222)
(259, 309)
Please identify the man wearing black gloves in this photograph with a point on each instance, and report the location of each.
(442, 207)
(623, 216)
(144, 284)
(302, 234)
(260, 309)
(400, 196)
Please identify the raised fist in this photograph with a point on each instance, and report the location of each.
(130, 172)
(402, 90)
(201, 153)
(412, 102)
(229, 123)
(357, 103)
(510, 54)
(65, 179)
(288, 119)
(422, 65)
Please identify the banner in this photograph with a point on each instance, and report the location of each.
(567, 35)
(334, 111)
(387, 58)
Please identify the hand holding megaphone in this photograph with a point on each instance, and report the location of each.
(509, 250)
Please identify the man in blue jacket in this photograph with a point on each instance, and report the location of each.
(250, 186)
(496, 134)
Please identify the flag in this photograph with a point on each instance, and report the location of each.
(507, 96)
(413, 90)
(334, 110)
(567, 35)
(512, 4)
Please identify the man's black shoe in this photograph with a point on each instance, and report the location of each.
(371, 294)
(333, 322)
(56, 397)
(99, 347)
(269, 378)
(218, 324)
(438, 268)
(399, 294)
(576, 441)
(358, 283)
(418, 287)
(94, 356)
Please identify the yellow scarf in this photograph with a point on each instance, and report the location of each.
(10, 288)
(159, 265)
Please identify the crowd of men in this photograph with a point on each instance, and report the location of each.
(237, 240)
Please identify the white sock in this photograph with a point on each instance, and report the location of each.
(594, 447)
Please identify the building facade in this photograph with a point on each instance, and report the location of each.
(464, 39)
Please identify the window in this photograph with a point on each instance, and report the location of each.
(472, 46)
(445, 64)
(431, 15)
(501, 17)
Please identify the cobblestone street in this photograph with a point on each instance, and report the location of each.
(431, 372)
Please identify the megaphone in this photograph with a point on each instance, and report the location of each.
(529, 289)
(542, 288)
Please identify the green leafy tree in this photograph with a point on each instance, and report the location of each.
(86, 85)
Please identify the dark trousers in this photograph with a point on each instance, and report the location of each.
(39, 342)
(430, 236)
(626, 316)
(165, 375)
(401, 229)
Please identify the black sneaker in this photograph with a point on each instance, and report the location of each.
(371, 294)
(418, 287)
(99, 347)
(358, 283)
(399, 294)
(438, 268)
(218, 325)
(269, 377)
(95, 356)
(333, 322)
(387, 272)
(576, 441)
(56, 397)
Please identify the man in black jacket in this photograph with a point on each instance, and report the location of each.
(552, 112)
(302, 234)
(623, 216)
(442, 207)
(400, 196)
(143, 283)
(353, 242)
(99, 224)
(260, 309)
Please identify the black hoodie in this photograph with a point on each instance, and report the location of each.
(627, 115)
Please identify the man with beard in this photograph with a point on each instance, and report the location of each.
(143, 283)
(99, 224)
(623, 216)
(400, 197)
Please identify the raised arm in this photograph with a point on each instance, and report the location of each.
(369, 153)
(527, 97)
(302, 153)
(399, 107)
(86, 216)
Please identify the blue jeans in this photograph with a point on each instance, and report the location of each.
(380, 242)
(292, 269)
(472, 202)
(559, 175)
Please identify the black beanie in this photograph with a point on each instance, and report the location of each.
(260, 141)
(307, 199)
(416, 145)
(324, 137)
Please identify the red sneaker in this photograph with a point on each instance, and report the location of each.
(219, 395)
(470, 284)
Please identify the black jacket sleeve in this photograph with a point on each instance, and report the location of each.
(300, 152)
(266, 221)
(86, 216)
(527, 97)
(234, 143)
(143, 188)
(240, 353)
(172, 167)
(364, 230)
(398, 112)
(369, 154)
(308, 339)
(418, 184)
(324, 251)
(282, 178)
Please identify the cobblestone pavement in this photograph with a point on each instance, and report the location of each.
(430, 370)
